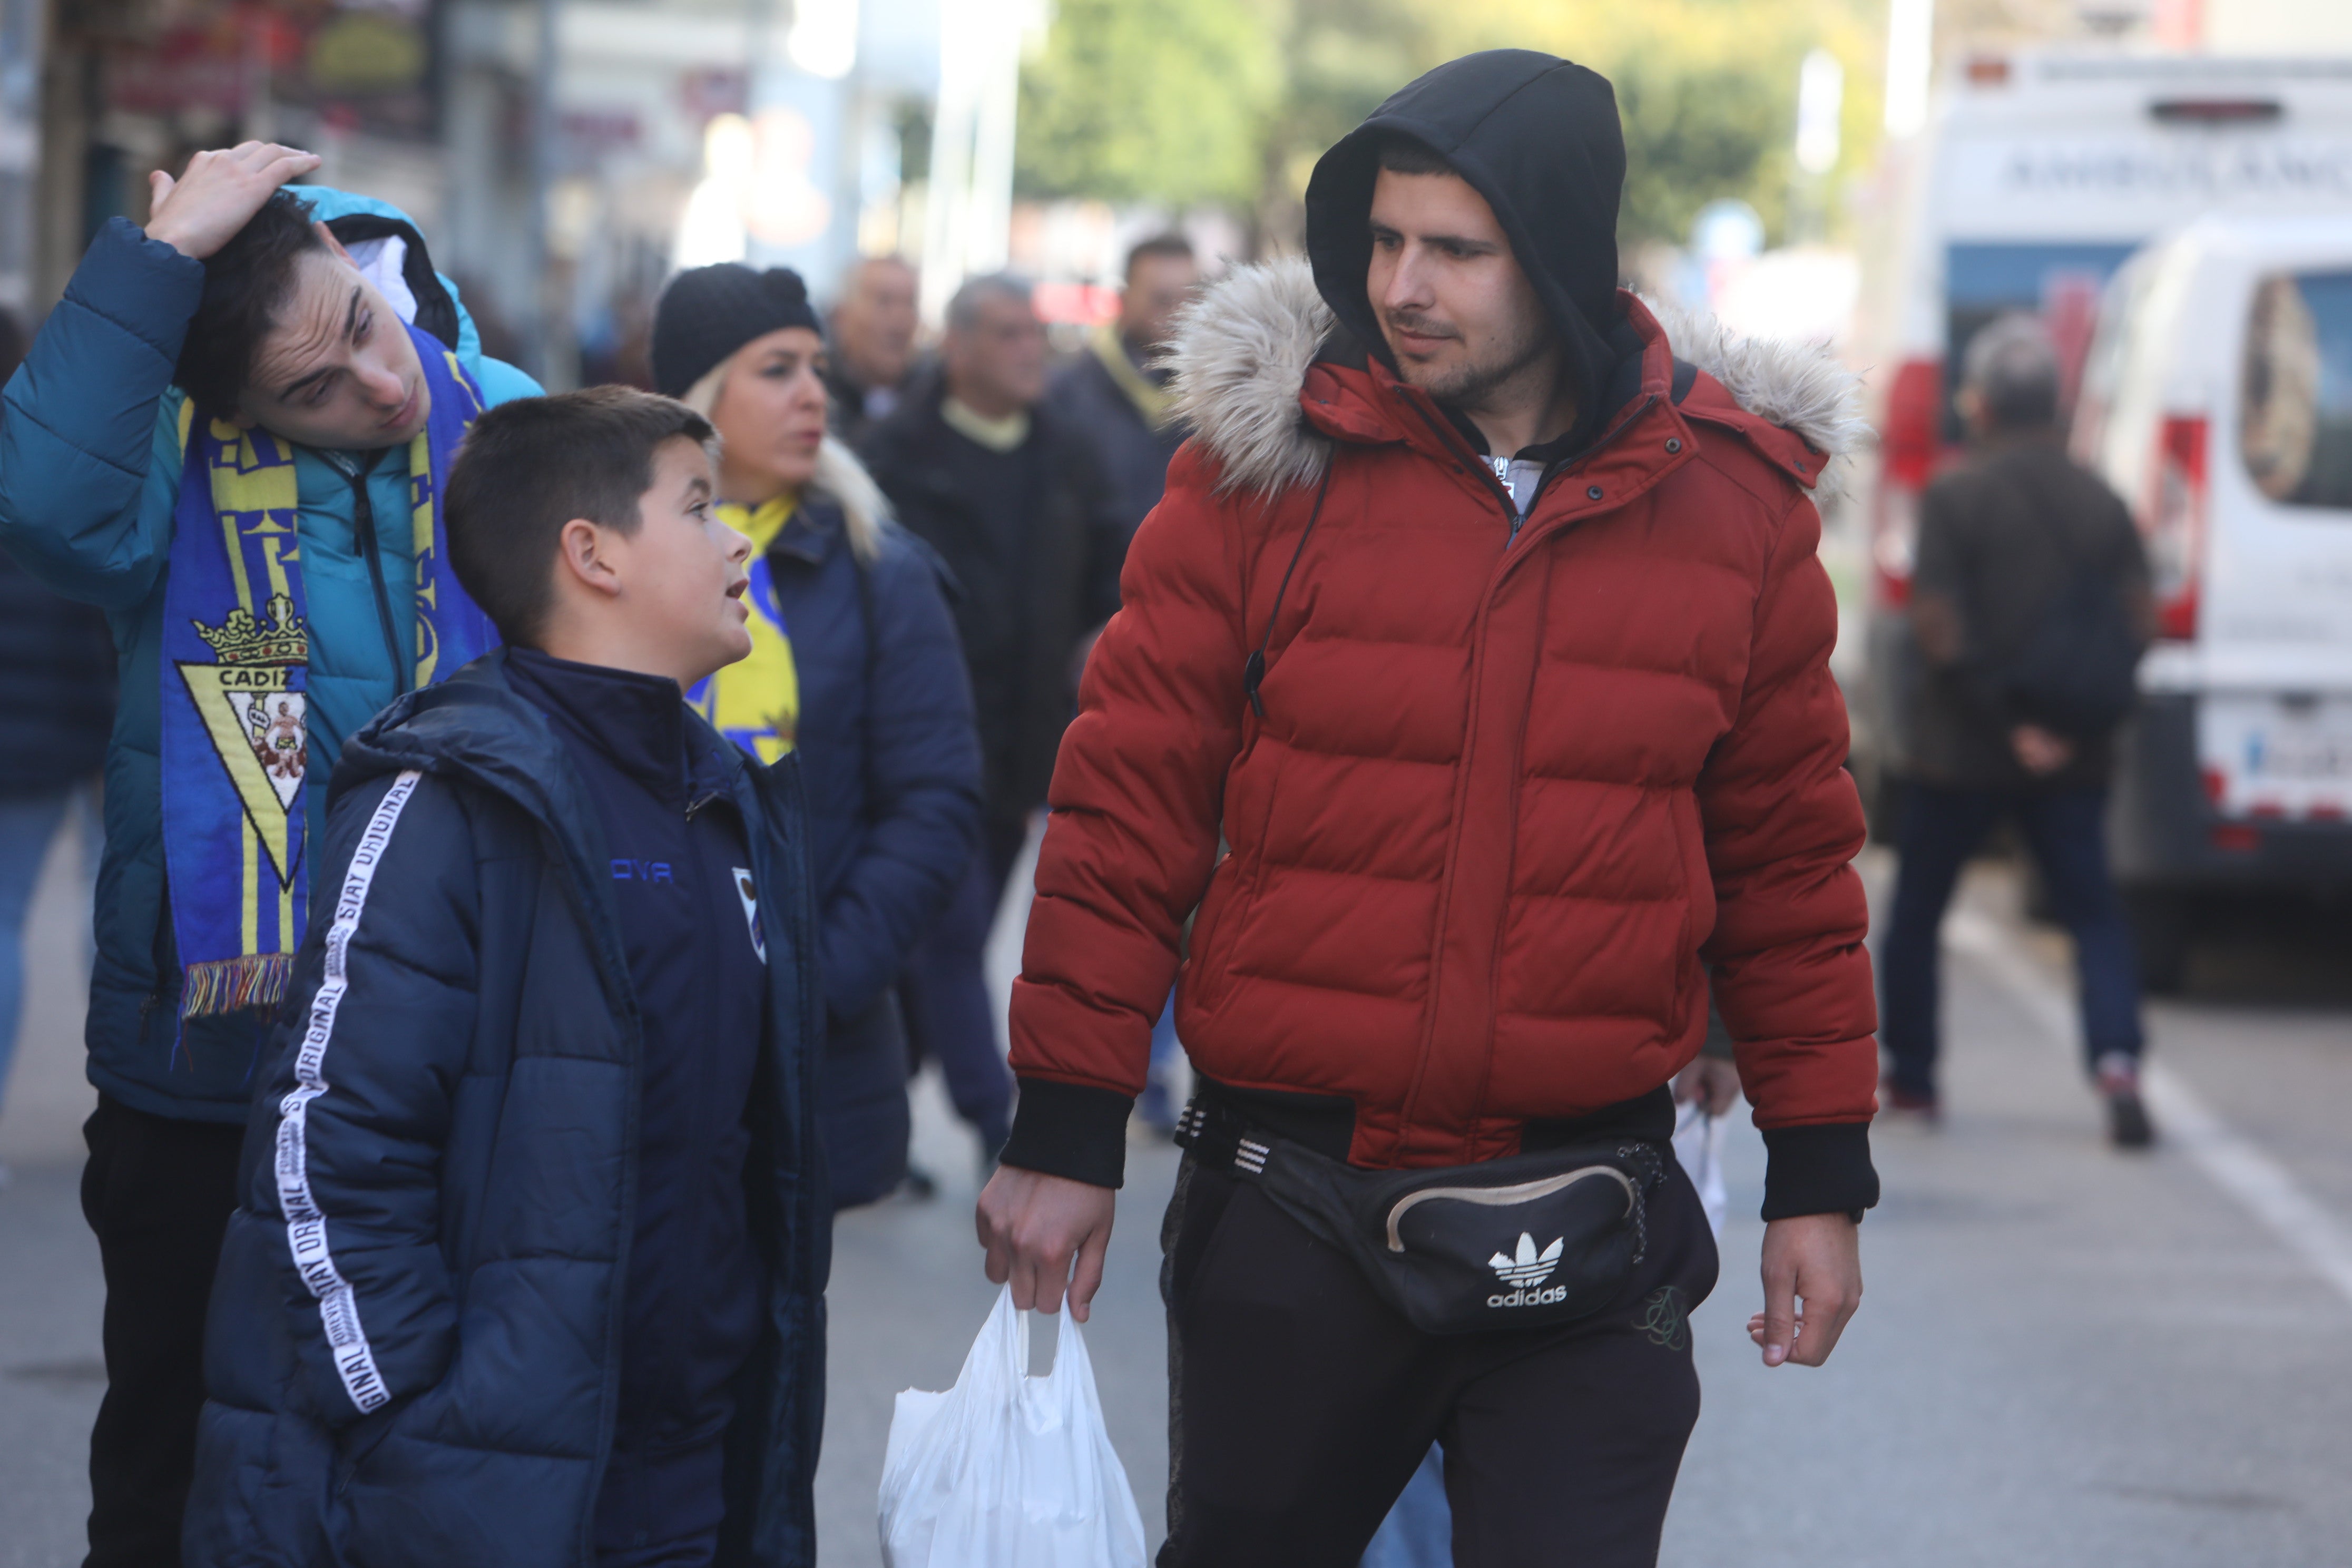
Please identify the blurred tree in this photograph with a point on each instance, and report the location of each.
(1708, 89)
(1344, 56)
(1232, 101)
(1135, 101)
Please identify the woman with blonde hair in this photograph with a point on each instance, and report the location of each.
(855, 666)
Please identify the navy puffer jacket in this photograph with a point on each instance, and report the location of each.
(892, 766)
(428, 1375)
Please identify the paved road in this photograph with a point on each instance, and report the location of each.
(2066, 1356)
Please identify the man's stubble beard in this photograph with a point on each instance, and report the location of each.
(1468, 387)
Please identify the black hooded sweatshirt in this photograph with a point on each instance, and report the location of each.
(1537, 137)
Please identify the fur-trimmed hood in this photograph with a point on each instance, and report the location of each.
(1241, 353)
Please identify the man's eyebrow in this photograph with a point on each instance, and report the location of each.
(351, 325)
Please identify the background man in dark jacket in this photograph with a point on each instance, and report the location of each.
(2003, 545)
(872, 339)
(1115, 395)
(527, 1267)
(1015, 504)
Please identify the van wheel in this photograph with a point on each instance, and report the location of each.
(2164, 930)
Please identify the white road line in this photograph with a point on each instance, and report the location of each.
(2234, 1162)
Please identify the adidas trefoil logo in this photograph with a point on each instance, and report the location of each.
(1530, 1268)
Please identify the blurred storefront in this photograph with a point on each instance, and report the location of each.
(562, 154)
(96, 93)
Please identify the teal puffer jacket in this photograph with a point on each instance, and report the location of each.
(89, 475)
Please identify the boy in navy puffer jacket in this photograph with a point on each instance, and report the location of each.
(529, 1261)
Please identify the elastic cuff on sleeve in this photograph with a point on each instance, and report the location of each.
(1073, 1129)
(1822, 1169)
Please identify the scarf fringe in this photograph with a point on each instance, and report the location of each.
(232, 984)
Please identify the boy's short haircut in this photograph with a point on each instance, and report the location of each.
(532, 465)
(247, 282)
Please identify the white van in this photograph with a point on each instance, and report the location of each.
(2217, 400)
(2043, 171)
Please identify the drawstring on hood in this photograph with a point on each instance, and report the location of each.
(1535, 135)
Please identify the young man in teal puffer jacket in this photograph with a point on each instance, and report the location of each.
(257, 547)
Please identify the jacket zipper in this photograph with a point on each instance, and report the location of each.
(364, 526)
(1446, 914)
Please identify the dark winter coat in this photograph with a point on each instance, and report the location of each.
(56, 686)
(1998, 540)
(1133, 449)
(1020, 614)
(428, 1376)
(892, 768)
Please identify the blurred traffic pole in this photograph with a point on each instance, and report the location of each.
(968, 218)
(1910, 64)
(547, 305)
(1821, 99)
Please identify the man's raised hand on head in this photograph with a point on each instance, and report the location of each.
(202, 210)
(1034, 1226)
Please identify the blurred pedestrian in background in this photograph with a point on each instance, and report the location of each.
(57, 705)
(855, 664)
(1014, 502)
(2030, 607)
(1117, 394)
(227, 436)
(873, 358)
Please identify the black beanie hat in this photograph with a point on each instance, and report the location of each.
(708, 312)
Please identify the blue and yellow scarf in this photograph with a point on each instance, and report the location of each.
(235, 652)
(756, 701)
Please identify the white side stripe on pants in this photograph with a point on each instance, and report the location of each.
(306, 1227)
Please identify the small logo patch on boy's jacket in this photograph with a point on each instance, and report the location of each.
(749, 894)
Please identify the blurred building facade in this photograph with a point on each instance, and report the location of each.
(563, 155)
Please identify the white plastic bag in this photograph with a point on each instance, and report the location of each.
(1698, 1144)
(1005, 1470)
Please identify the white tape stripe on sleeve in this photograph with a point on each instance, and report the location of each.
(306, 1227)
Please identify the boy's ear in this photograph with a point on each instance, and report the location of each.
(584, 554)
(333, 244)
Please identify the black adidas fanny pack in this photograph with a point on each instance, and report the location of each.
(1531, 1241)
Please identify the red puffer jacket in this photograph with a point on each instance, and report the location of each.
(1509, 802)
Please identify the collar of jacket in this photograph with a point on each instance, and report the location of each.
(1150, 398)
(637, 721)
(809, 534)
(998, 436)
(475, 726)
(1245, 353)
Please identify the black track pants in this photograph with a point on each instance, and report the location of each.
(1301, 1403)
(158, 1192)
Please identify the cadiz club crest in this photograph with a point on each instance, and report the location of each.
(253, 713)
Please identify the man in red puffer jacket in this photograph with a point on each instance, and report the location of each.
(1490, 635)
